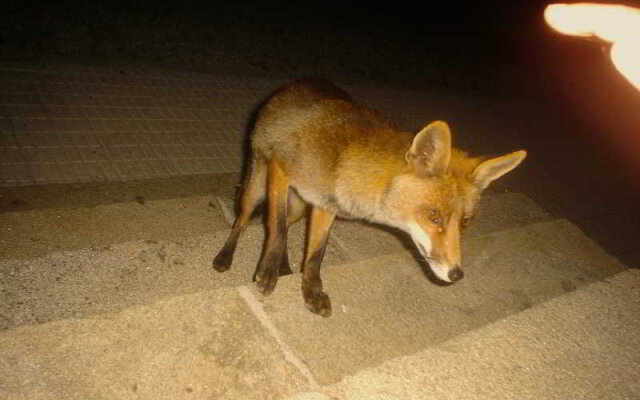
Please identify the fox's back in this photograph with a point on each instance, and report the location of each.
(321, 137)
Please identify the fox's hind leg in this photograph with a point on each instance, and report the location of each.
(253, 192)
(296, 209)
(275, 250)
(315, 299)
(268, 269)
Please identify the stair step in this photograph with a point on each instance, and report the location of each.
(43, 219)
(77, 261)
(110, 278)
(583, 345)
(207, 343)
(203, 345)
(30, 234)
(362, 240)
(99, 215)
(385, 307)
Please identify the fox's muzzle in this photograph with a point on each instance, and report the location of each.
(441, 268)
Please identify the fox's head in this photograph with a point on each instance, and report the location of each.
(435, 198)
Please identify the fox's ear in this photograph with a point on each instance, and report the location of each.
(431, 149)
(492, 169)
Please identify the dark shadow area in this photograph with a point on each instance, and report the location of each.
(458, 46)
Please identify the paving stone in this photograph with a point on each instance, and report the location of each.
(386, 307)
(63, 284)
(581, 346)
(204, 345)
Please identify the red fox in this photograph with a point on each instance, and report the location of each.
(312, 146)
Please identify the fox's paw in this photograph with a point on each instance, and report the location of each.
(318, 303)
(222, 262)
(266, 282)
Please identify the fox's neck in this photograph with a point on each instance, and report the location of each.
(366, 173)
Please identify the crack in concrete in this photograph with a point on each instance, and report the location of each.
(256, 308)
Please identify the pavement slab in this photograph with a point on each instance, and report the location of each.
(583, 345)
(29, 234)
(90, 194)
(386, 307)
(201, 346)
(81, 282)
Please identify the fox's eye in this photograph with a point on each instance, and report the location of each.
(434, 216)
(464, 222)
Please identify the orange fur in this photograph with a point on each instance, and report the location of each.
(344, 159)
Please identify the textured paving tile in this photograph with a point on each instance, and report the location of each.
(114, 274)
(206, 345)
(386, 307)
(580, 346)
(29, 234)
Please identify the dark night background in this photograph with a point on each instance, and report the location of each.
(458, 45)
(487, 48)
(502, 45)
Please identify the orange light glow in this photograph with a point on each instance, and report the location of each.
(617, 24)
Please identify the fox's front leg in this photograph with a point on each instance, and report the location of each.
(266, 275)
(315, 299)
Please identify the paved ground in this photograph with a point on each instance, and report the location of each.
(117, 185)
(579, 346)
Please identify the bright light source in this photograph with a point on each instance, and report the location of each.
(617, 24)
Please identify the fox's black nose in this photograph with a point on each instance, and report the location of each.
(455, 274)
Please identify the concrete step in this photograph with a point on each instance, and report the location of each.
(232, 344)
(82, 282)
(76, 260)
(385, 307)
(30, 234)
(70, 217)
(206, 345)
(583, 345)
(39, 220)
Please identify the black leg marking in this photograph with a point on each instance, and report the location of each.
(222, 262)
(269, 267)
(285, 268)
(315, 299)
